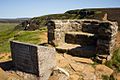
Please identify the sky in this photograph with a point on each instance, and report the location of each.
(33, 8)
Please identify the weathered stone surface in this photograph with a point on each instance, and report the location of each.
(12, 76)
(83, 71)
(117, 77)
(69, 31)
(102, 69)
(78, 67)
(106, 38)
(77, 50)
(83, 60)
(59, 74)
(90, 26)
(46, 61)
(88, 73)
(108, 28)
(58, 28)
(33, 59)
(25, 76)
(74, 77)
(3, 75)
(63, 60)
(67, 56)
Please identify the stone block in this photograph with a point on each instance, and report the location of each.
(107, 28)
(91, 28)
(33, 59)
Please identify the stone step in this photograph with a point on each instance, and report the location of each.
(77, 50)
(81, 38)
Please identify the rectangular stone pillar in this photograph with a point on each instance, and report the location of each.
(33, 59)
(106, 37)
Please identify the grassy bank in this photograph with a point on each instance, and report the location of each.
(8, 33)
(114, 63)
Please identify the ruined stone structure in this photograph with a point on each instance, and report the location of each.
(85, 37)
(33, 59)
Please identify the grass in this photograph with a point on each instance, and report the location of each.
(114, 63)
(8, 33)
(29, 36)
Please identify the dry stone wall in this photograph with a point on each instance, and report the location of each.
(64, 31)
(106, 37)
(58, 28)
(83, 39)
(56, 31)
(90, 26)
(33, 59)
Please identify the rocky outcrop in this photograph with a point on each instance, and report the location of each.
(82, 68)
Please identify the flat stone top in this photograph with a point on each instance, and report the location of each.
(67, 20)
(80, 33)
(67, 46)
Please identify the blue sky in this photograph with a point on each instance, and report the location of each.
(32, 8)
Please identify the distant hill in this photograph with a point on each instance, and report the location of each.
(96, 13)
(16, 20)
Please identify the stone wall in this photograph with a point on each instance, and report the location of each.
(58, 28)
(56, 31)
(106, 37)
(83, 39)
(33, 59)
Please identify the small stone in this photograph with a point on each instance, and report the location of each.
(74, 77)
(89, 76)
(89, 69)
(88, 73)
(59, 57)
(118, 76)
(83, 60)
(67, 56)
(100, 60)
(59, 74)
(78, 67)
(14, 77)
(3, 75)
(63, 63)
(104, 70)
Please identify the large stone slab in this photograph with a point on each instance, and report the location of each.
(77, 50)
(33, 59)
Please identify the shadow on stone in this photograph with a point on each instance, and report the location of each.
(7, 66)
(84, 51)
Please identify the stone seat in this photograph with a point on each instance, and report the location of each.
(80, 33)
(77, 50)
(81, 38)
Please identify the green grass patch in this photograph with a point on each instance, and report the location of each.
(114, 63)
(8, 32)
(29, 36)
